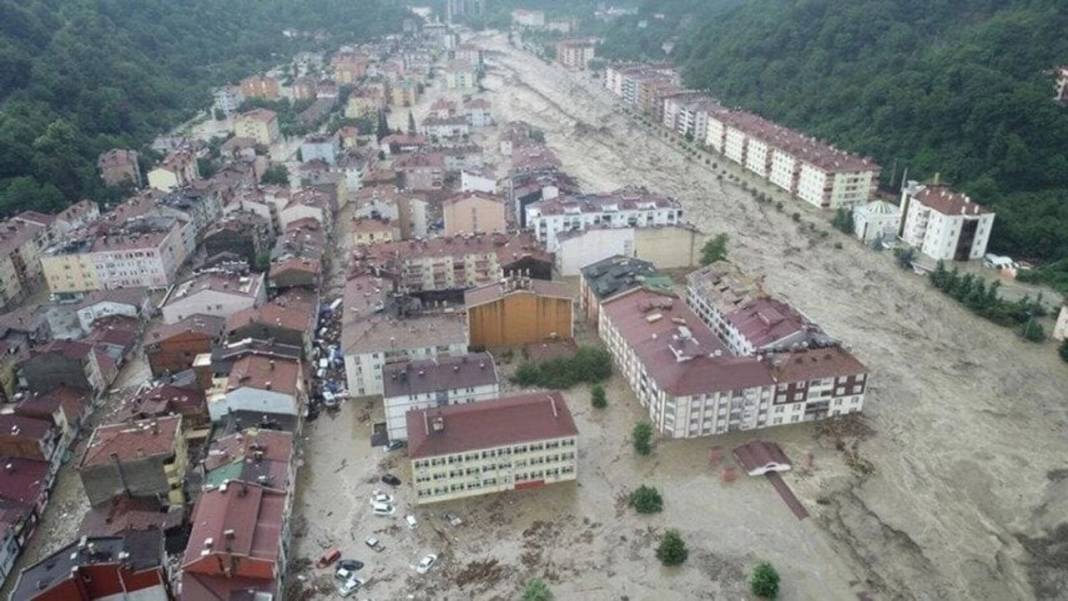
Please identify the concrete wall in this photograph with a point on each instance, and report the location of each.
(669, 247)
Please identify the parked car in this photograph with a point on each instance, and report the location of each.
(452, 518)
(381, 497)
(347, 586)
(391, 480)
(383, 509)
(349, 564)
(426, 563)
(375, 544)
(396, 445)
(412, 523)
(328, 557)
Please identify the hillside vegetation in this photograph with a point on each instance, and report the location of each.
(956, 87)
(80, 76)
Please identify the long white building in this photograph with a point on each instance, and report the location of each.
(410, 385)
(944, 224)
(629, 207)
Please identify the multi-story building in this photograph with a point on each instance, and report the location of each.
(667, 246)
(404, 92)
(253, 455)
(349, 67)
(320, 147)
(407, 209)
(145, 458)
(243, 233)
(528, 18)
(378, 329)
(177, 169)
(259, 86)
(258, 383)
(118, 166)
(629, 207)
(604, 279)
(65, 363)
(461, 75)
(517, 311)
(944, 224)
(426, 383)
(691, 385)
(421, 171)
(289, 318)
(455, 453)
(24, 493)
(31, 438)
(443, 128)
(576, 53)
(260, 125)
(227, 99)
(131, 565)
(171, 348)
(687, 113)
(21, 243)
(368, 230)
(219, 293)
(473, 213)
(477, 112)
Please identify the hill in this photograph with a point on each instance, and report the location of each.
(80, 76)
(960, 88)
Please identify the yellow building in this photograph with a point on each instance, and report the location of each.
(259, 124)
(70, 271)
(372, 231)
(10, 287)
(359, 106)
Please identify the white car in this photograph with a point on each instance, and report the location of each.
(412, 523)
(383, 509)
(381, 497)
(349, 586)
(375, 544)
(426, 563)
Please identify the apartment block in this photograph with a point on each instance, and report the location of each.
(629, 207)
(145, 458)
(118, 166)
(260, 86)
(177, 169)
(944, 224)
(216, 292)
(576, 53)
(519, 442)
(474, 213)
(260, 125)
(428, 383)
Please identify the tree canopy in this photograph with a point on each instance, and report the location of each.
(80, 77)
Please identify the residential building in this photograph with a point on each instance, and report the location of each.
(459, 155)
(478, 180)
(615, 275)
(691, 385)
(477, 112)
(368, 230)
(1060, 329)
(259, 383)
(75, 217)
(21, 243)
(179, 394)
(461, 75)
(227, 99)
(132, 565)
(576, 53)
(65, 407)
(295, 272)
(246, 234)
(629, 207)
(360, 104)
(171, 348)
(943, 224)
(405, 208)
(667, 246)
(260, 125)
(75, 320)
(66, 363)
(876, 221)
(215, 292)
(395, 144)
(254, 455)
(145, 458)
(512, 443)
(120, 166)
(320, 147)
(473, 213)
(426, 383)
(445, 127)
(24, 492)
(238, 545)
(518, 311)
(177, 169)
(373, 334)
(260, 86)
(404, 92)
(349, 67)
(307, 203)
(31, 438)
(303, 88)
(289, 318)
(528, 18)
(421, 171)
(125, 514)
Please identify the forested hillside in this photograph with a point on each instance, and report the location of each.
(957, 87)
(80, 76)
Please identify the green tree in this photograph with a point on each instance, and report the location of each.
(714, 250)
(411, 124)
(642, 438)
(764, 582)
(383, 125)
(219, 115)
(1032, 331)
(276, 174)
(597, 394)
(672, 550)
(843, 220)
(904, 257)
(537, 590)
(1064, 350)
(646, 499)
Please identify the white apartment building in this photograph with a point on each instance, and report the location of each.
(218, 293)
(228, 99)
(943, 224)
(423, 384)
(629, 207)
(456, 452)
(691, 385)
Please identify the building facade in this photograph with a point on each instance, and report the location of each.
(518, 311)
(427, 383)
(620, 209)
(943, 224)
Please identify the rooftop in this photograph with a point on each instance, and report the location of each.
(494, 291)
(262, 115)
(488, 424)
(130, 513)
(627, 199)
(263, 373)
(209, 325)
(23, 480)
(764, 321)
(616, 274)
(440, 374)
(226, 282)
(946, 201)
(724, 286)
(252, 455)
(133, 441)
(292, 310)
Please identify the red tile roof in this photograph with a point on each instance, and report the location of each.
(21, 427)
(264, 373)
(292, 310)
(275, 445)
(144, 438)
(946, 201)
(765, 320)
(488, 424)
(42, 406)
(814, 364)
(22, 480)
(128, 513)
(249, 513)
(208, 325)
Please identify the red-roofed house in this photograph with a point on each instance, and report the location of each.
(261, 384)
(24, 488)
(65, 407)
(171, 348)
(146, 458)
(295, 272)
(944, 224)
(289, 319)
(238, 544)
(30, 438)
(511, 443)
(65, 363)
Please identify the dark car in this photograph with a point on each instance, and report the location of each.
(350, 564)
(396, 445)
(391, 480)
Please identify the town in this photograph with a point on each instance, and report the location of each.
(428, 316)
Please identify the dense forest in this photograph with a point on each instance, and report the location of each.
(80, 76)
(961, 88)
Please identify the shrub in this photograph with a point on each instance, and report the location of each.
(642, 437)
(672, 550)
(904, 257)
(843, 220)
(1032, 331)
(714, 250)
(646, 499)
(796, 216)
(537, 590)
(599, 399)
(765, 581)
(1064, 350)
